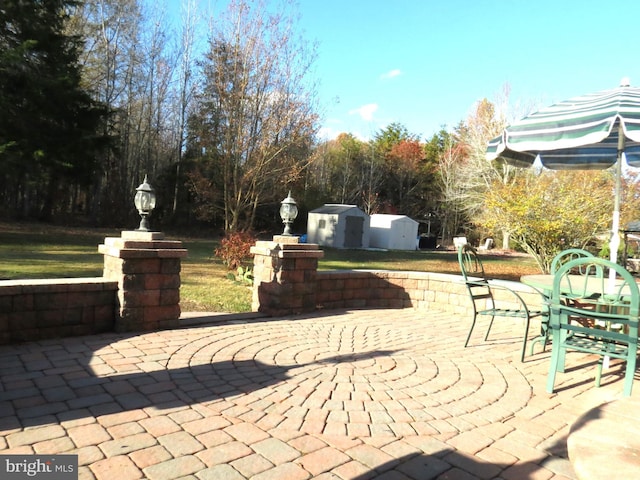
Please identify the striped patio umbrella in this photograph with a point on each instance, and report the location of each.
(590, 132)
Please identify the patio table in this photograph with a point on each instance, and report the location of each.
(544, 282)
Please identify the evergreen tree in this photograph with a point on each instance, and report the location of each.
(48, 122)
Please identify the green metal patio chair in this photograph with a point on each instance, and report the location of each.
(481, 291)
(611, 310)
(560, 259)
(566, 256)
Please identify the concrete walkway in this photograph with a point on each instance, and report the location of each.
(388, 394)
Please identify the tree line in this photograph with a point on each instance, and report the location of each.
(98, 93)
(221, 112)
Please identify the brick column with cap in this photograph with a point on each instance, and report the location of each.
(284, 273)
(147, 269)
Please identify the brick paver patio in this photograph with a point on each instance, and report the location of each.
(388, 394)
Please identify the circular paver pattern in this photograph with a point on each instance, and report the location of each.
(350, 377)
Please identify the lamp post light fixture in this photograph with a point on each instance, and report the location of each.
(288, 213)
(145, 202)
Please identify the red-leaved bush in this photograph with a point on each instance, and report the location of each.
(234, 249)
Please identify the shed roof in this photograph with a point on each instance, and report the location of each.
(633, 226)
(391, 218)
(334, 208)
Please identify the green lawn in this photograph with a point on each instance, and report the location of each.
(507, 267)
(44, 251)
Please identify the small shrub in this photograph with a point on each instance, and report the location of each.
(234, 250)
(244, 276)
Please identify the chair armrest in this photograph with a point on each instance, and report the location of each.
(521, 288)
(506, 286)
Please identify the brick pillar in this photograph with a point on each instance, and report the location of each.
(284, 276)
(147, 269)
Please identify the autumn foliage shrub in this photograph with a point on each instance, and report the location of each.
(234, 249)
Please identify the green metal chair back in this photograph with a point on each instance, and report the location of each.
(590, 313)
(566, 256)
(470, 264)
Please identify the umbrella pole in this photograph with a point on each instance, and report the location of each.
(614, 243)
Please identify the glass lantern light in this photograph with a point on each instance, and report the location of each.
(288, 213)
(145, 202)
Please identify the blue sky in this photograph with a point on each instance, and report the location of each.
(425, 63)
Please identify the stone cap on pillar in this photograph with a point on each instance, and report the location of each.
(141, 235)
(286, 250)
(286, 239)
(139, 244)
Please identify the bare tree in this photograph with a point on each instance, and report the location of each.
(372, 180)
(256, 117)
(129, 67)
(186, 84)
(110, 30)
(450, 159)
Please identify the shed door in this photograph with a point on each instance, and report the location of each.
(353, 232)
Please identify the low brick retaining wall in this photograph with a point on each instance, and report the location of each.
(52, 308)
(286, 281)
(391, 289)
(139, 291)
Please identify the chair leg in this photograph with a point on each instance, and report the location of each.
(526, 336)
(540, 339)
(473, 324)
(629, 374)
(603, 362)
(543, 337)
(486, 337)
(545, 329)
(562, 355)
(553, 366)
(599, 371)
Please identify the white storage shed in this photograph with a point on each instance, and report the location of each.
(339, 226)
(393, 232)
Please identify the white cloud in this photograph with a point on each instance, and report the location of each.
(360, 136)
(366, 112)
(391, 74)
(327, 133)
